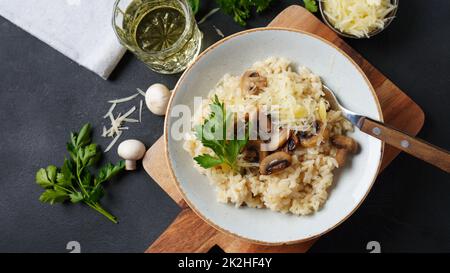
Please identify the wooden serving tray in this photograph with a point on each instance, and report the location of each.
(189, 233)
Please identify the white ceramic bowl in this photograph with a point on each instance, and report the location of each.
(234, 55)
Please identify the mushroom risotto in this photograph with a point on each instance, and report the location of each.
(289, 165)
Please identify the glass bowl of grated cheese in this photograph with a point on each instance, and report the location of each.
(358, 18)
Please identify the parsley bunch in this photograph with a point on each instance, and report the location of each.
(226, 151)
(74, 181)
(241, 9)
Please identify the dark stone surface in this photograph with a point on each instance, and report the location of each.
(44, 95)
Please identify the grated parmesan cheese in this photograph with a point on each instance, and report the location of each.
(113, 142)
(218, 31)
(132, 120)
(358, 17)
(209, 14)
(116, 128)
(141, 92)
(111, 109)
(124, 99)
(140, 111)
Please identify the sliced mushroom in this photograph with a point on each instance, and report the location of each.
(265, 124)
(276, 141)
(252, 82)
(252, 152)
(345, 142)
(341, 157)
(309, 141)
(274, 163)
(292, 143)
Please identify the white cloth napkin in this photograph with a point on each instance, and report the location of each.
(79, 29)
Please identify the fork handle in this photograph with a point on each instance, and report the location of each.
(411, 145)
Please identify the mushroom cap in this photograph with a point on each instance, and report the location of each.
(131, 149)
(275, 163)
(252, 82)
(156, 98)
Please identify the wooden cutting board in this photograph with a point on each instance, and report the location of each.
(189, 233)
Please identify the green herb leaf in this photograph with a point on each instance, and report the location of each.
(108, 171)
(195, 5)
(88, 155)
(61, 180)
(76, 197)
(53, 196)
(310, 5)
(208, 161)
(213, 135)
(65, 177)
(43, 180)
(261, 5)
(96, 193)
(241, 9)
(83, 137)
(86, 179)
(51, 173)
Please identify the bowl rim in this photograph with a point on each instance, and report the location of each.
(166, 142)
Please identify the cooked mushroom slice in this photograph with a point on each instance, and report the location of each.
(265, 124)
(274, 163)
(292, 143)
(252, 82)
(252, 152)
(341, 157)
(345, 142)
(309, 141)
(277, 140)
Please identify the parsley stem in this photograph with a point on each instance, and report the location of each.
(80, 184)
(98, 208)
(63, 188)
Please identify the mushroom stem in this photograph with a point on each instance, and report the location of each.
(130, 165)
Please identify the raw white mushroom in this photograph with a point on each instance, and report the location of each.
(131, 150)
(156, 98)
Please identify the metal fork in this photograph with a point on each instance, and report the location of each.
(400, 140)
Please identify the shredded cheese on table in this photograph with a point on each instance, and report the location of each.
(117, 125)
(111, 144)
(141, 92)
(358, 17)
(124, 99)
(140, 110)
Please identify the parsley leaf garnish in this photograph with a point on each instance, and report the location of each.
(213, 134)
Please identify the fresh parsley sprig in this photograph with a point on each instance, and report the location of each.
(241, 9)
(74, 181)
(213, 134)
(310, 5)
